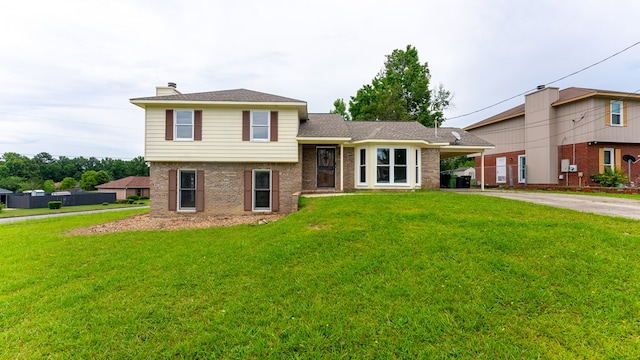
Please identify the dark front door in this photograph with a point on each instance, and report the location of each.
(326, 167)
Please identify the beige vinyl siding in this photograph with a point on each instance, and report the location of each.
(593, 127)
(508, 135)
(222, 138)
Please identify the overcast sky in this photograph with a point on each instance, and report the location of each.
(68, 68)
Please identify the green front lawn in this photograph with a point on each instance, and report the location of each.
(66, 209)
(386, 275)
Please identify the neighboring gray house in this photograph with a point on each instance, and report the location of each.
(3, 195)
(242, 151)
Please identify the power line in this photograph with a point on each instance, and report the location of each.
(549, 83)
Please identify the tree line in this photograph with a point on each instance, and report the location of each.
(43, 171)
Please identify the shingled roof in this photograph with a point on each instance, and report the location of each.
(235, 95)
(130, 182)
(333, 126)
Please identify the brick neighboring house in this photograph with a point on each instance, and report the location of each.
(241, 152)
(562, 137)
(131, 185)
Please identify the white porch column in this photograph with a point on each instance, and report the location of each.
(341, 167)
(482, 171)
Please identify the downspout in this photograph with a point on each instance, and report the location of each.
(482, 171)
(341, 167)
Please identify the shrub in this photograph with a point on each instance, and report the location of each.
(144, 198)
(55, 204)
(1, 206)
(133, 197)
(610, 178)
(105, 203)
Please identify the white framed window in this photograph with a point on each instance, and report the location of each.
(186, 190)
(183, 120)
(260, 125)
(608, 157)
(522, 168)
(391, 165)
(261, 190)
(362, 166)
(501, 170)
(616, 113)
(417, 165)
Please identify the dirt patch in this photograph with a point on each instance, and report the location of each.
(144, 222)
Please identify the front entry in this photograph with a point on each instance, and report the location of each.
(326, 167)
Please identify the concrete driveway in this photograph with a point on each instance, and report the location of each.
(603, 205)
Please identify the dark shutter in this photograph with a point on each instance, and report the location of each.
(168, 125)
(197, 125)
(274, 126)
(200, 190)
(173, 189)
(246, 125)
(248, 199)
(275, 191)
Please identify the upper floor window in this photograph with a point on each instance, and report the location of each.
(183, 124)
(616, 113)
(260, 121)
(391, 166)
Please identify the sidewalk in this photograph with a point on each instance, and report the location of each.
(34, 217)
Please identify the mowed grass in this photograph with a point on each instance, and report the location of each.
(384, 275)
(5, 213)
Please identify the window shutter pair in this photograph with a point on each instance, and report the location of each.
(197, 125)
(617, 160)
(173, 190)
(246, 126)
(607, 113)
(275, 190)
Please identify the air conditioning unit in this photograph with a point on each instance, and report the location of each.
(573, 168)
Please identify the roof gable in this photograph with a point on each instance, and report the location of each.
(130, 182)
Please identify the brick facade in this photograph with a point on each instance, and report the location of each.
(224, 186)
(586, 158)
(588, 162)
(309, 168)
(430, 168)
(349, 166)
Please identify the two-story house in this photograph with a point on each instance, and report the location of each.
(242, 151)
(562, 137)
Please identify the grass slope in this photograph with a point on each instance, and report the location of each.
(427, 275)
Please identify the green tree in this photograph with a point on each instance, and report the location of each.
(400, 92)
(339, 107)
(13, 183)
(49, 186)
(102, 177)
(88, 180)
(457, 162)
(68, 183)
(21, 166)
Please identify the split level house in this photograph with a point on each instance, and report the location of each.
(562, 137)
(242, 151)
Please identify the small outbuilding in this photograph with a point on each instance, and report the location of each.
(3, 195)
(131, 185)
